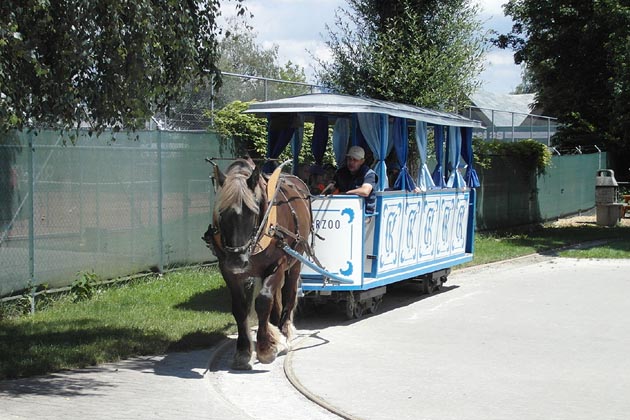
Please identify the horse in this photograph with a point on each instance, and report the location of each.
(253, 218)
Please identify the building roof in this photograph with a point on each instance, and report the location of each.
(504, 105)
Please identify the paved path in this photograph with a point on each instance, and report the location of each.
(535, 338)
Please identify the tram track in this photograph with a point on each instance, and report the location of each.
(267, 391)
(295, 381)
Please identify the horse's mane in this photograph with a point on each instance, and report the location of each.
(235, 192)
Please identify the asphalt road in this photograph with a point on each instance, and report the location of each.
(532, 338)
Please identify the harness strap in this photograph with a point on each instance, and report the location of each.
(261, 240)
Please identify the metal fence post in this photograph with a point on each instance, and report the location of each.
(211, 101)
(265, 88)
(160, 204)
(31, 218)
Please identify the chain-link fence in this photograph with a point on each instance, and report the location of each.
(194, 111)
(117, 204)
(512, 126)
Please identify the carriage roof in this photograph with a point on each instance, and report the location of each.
(329, 103)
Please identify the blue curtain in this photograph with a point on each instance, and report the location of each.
(438, 172)
(341, 134)
(472, 180)
(455, 179)
(277, 140)
(371, 126)
(320, 139)
(424, 175)
(400, 137)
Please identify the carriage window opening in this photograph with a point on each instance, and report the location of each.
(425, 149)
(438, 141)
(453, 158)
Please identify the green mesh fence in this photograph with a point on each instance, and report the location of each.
(112, 205)
(512, 195)
(126, 204)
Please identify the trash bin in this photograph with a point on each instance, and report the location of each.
(606, 190)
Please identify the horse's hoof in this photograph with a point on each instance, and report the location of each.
(241, 366)
(241, 362)
(266, 357)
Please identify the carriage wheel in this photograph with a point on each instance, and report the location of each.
(354, 309)
(349, 306)
(427, 286)
(440, 284)
(358, 310)
(374, 304)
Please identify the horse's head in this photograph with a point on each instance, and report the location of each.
(239, 207)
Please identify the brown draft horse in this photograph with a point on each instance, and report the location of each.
(249, 227)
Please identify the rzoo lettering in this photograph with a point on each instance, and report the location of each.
(327, 224)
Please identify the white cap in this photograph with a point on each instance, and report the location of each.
(356, 152)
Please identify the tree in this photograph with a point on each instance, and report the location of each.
(247, 134)
(240, 53)
(102, 62)
(577, 54)
(423, 52)
(527, 82)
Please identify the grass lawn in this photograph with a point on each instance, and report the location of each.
(179, 311)
(190, 309)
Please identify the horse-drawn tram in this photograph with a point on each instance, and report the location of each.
(270, 231)
(419, 224)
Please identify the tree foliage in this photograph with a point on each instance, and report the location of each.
(248, 133)
(577, 54)
(241, 53)
(530, 152)
(423, 52)
(102, 62)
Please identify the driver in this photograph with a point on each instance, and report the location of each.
(357, 178)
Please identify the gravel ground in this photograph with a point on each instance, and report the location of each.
(584, 218)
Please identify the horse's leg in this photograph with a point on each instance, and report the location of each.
(242, 293)
(276, 307)
(289, 300)
(268, 338)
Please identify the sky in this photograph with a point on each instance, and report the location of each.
(299, 26)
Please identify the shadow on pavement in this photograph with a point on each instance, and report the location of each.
(331, 314)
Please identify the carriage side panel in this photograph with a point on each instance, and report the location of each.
(420, 232)
(338, 238)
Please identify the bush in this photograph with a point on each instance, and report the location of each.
(528, 151)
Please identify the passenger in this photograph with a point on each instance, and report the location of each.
(316, 181)
(357, 178)
(329, 172)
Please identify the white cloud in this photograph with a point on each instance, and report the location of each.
(298, 25)
(500, 58)
(501, 74)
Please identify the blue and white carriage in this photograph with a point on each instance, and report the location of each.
(423, 224)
